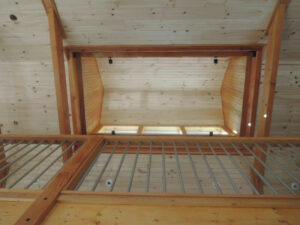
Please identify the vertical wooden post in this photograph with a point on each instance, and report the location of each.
(245, 109)
(76, 93)
(56, 40)
(269, 84)
(256, 62)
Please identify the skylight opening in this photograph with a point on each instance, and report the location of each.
(119, 130)
(162, 130)
(205, 130)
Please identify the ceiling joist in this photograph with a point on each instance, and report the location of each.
(50, 6)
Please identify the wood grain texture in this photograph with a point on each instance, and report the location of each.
(158, 91)
(268, 89)
(76, 93)
(72, 208)
(232, 93)
(27, 93)
(66, 178)
(256, 65)
(93, 92)
(59, 74)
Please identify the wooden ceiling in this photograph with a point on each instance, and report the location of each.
(168, 91)
(27, 94)
(165, 21)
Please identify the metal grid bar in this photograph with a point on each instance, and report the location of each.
(104, 168)
(149, 174)
(269, 169)
(283, 157)
(211, 173)
(91, 166)
(239, 169)
(24, 158)
(134, 166)
(120, 166)
(149, 168)
(50, 165)
(164, 179)
(178, 169)
(224, 169)
(277, 163)
(255, 170)
(194, 168)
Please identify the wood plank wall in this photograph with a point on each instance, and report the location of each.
(232, 92)
(93, 92)
(162, 91)
(27, 93)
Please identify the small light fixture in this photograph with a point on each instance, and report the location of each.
(216, 60)
(235, 131)
(211, 133)
(265, 115)
(249, 124)
(110, 61)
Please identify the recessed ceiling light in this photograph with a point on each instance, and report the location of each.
(249, 124)
(265, 115)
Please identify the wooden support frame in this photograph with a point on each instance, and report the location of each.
(67, 178)
(76, 93)
(252, 52)
(56, 38)
(251, 93)
(70, 175)
(251, 105)
(269, 84)
(50, 6)
(165, 50)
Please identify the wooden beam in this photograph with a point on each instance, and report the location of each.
(50, 6)
(93, 93)
(165, 50)
(67, 178)
(162, 199)
(59, 75)
(279, 2)
(166, 54)
(76, 93)
(256, 63)
(245, 109)
(269, 85)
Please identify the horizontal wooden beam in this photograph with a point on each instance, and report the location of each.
(166, 199)
(194, 139)
(13, 138)
(165, 50)
(169, 149)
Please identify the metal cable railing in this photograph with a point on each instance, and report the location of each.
(197, 167)
(32, 164)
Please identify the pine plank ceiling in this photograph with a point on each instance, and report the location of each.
(165, 91)
(27, 95)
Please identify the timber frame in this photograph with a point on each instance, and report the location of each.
(60, 189)
(253, 53)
